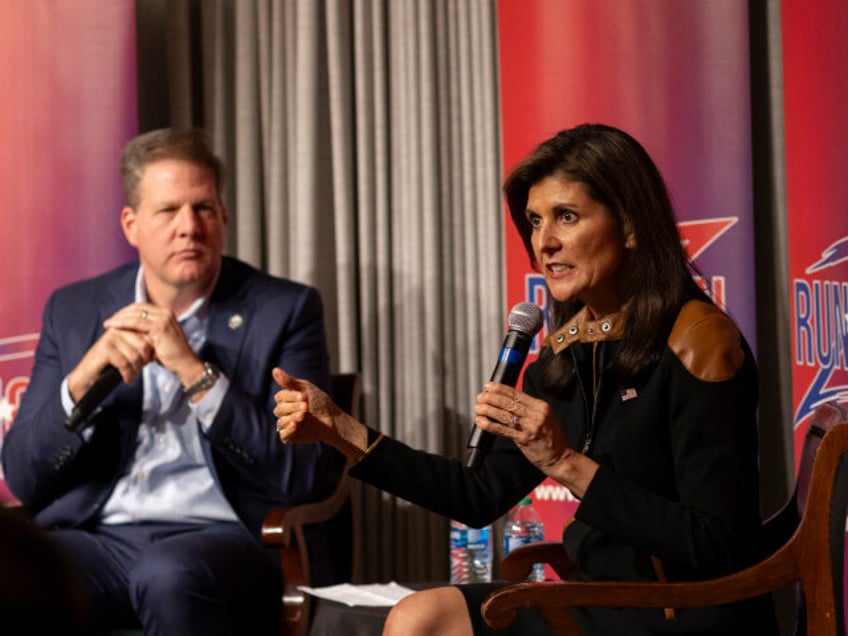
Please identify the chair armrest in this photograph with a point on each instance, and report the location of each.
(281, 524)
(517, 564)
(283, 528)
(553, 598)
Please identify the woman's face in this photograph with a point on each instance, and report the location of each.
(577, 245)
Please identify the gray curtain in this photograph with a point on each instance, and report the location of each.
(362, 140)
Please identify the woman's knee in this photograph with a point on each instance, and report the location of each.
(440, 611)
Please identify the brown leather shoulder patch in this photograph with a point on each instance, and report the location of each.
(707, 342)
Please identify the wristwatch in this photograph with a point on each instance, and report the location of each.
(206, 381)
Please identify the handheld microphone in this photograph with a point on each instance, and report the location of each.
(525, 320)
(105, 383)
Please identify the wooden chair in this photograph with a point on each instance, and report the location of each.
(808, 553)
(287, 528)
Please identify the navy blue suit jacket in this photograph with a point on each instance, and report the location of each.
(256, 322)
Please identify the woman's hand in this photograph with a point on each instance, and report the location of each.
(530, 423)
(306, 414)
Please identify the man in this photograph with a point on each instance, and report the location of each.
(160, 499)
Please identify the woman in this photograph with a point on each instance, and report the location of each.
(642, 402)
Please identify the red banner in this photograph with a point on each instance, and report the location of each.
(815, 68)
(815, 85)
(68, 106)
(673, 74)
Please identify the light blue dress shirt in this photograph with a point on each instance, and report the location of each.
(168, 479)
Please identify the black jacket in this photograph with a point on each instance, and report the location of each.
(677, 491)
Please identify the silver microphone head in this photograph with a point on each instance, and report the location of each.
(526, 318)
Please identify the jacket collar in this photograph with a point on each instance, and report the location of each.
(230, 311)
(582, 329)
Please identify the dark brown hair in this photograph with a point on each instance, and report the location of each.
(618, 173)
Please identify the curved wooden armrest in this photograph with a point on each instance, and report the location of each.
(275, 530)
(281, 525)
(283, 528)
(812, 555)
(517, 564)
(553, 598)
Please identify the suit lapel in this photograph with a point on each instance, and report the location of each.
(229, 314)
(127, 400)
(119, 293)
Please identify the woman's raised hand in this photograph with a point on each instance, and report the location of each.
(306, 414)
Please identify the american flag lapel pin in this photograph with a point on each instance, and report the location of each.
(628, 394)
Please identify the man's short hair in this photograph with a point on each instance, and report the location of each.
(167, 143)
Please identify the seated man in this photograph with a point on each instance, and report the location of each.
(159, 499)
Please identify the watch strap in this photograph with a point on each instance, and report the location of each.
(206, 381)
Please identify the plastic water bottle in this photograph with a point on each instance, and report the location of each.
(470, 554)
(524, 526)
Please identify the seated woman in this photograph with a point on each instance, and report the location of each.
(642, 402)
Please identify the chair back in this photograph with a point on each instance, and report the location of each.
(819, 542)
(331, 525)
(346, 391)
(780, 526)
(824, 418)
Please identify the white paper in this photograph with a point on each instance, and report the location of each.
(371, 595)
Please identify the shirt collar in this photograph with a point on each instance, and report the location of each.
(198, 308)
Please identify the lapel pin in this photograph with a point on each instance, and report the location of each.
(628, 394)
(235, 321)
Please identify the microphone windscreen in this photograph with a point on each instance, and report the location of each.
(526, 318)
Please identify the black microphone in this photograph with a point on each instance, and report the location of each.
(525, 320)
(105, 383)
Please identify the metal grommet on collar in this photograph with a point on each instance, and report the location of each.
(560, 338)
(606, 326)
(573, 329)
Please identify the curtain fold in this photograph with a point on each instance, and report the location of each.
(363, 152)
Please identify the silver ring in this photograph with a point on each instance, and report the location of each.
(514, 421)
(144, 314)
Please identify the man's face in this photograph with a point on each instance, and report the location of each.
(178, 228)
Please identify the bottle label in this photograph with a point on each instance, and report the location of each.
(458, 537)
(471, 554)
(513, 542)
(478, 538)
